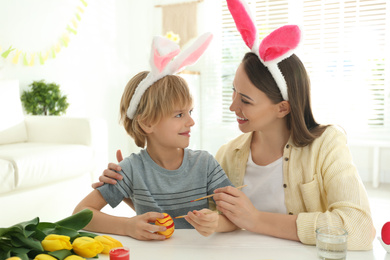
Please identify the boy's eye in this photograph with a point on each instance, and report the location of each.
(179, 115)
(190, 112)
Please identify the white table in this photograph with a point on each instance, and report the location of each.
(189, 244)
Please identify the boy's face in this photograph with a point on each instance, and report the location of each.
(174, 130)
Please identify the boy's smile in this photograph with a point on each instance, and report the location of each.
(187, 133)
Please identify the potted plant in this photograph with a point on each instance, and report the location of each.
(44, 99)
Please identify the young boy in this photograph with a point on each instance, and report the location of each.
(166, 176)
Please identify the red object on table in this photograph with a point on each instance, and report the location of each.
(120, 253)
(386, 233)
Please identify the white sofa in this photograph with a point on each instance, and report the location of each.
(47, 163)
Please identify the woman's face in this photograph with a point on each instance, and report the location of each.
(254, 110)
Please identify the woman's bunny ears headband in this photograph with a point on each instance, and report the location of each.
(277, 46)
(163, 51)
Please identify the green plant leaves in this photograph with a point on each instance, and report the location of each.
(61, 254)
(26, 227)
(24, 239)
(83, 218)
(44, 99)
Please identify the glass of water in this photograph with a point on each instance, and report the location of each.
(331, 243)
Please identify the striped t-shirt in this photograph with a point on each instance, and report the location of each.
(153, 188)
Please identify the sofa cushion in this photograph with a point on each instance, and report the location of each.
(7, 176)
(12, 127)
(34, 164)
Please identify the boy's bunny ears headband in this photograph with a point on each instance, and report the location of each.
(277, 46)
(163, 51)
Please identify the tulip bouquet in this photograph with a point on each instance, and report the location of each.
(61, 240)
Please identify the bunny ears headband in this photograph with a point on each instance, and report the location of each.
(277, 46)
(163, 51)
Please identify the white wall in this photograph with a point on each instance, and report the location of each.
(110, 47)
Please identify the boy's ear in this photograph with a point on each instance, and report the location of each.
(284, 108)
(146, 126)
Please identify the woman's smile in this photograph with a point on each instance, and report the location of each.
(241, 120)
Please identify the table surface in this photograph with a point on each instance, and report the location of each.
(189, 244)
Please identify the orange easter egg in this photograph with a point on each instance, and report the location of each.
(167, 221)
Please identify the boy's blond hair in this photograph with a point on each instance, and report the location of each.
(158, 101)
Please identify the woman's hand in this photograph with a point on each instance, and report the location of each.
(237, 207)
(205, 221)
(109, 175)
(139, 227)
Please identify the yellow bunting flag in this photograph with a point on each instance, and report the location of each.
(32, 60)
(46, 56)
(80, 9)
(74, 22)
(78, 16)
(15, 60)
(58, 47)
(65, 39)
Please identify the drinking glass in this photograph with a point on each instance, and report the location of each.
(331, 243)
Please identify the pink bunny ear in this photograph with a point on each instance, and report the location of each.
(280, 43)
(163, 52)
(244, 21)
(191, 54)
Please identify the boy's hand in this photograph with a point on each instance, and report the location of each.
(204, 221)
(139, 227)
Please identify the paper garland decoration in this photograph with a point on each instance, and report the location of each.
(30, 59)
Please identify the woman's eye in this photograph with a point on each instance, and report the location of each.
(244, 101)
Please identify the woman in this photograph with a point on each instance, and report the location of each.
(300, 174)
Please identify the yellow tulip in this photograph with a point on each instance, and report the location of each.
(44, 257)
(74, 257)
(87, 247)
(14, 258)
(56, 242)
(108, 243)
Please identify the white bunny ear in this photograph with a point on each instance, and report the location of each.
(191, 54)
(163, 51)
(244, 22)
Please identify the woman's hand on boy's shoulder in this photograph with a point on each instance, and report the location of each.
(110, 174)
(205, 221)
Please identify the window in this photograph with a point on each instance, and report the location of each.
(349, 40)
(345, 48)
